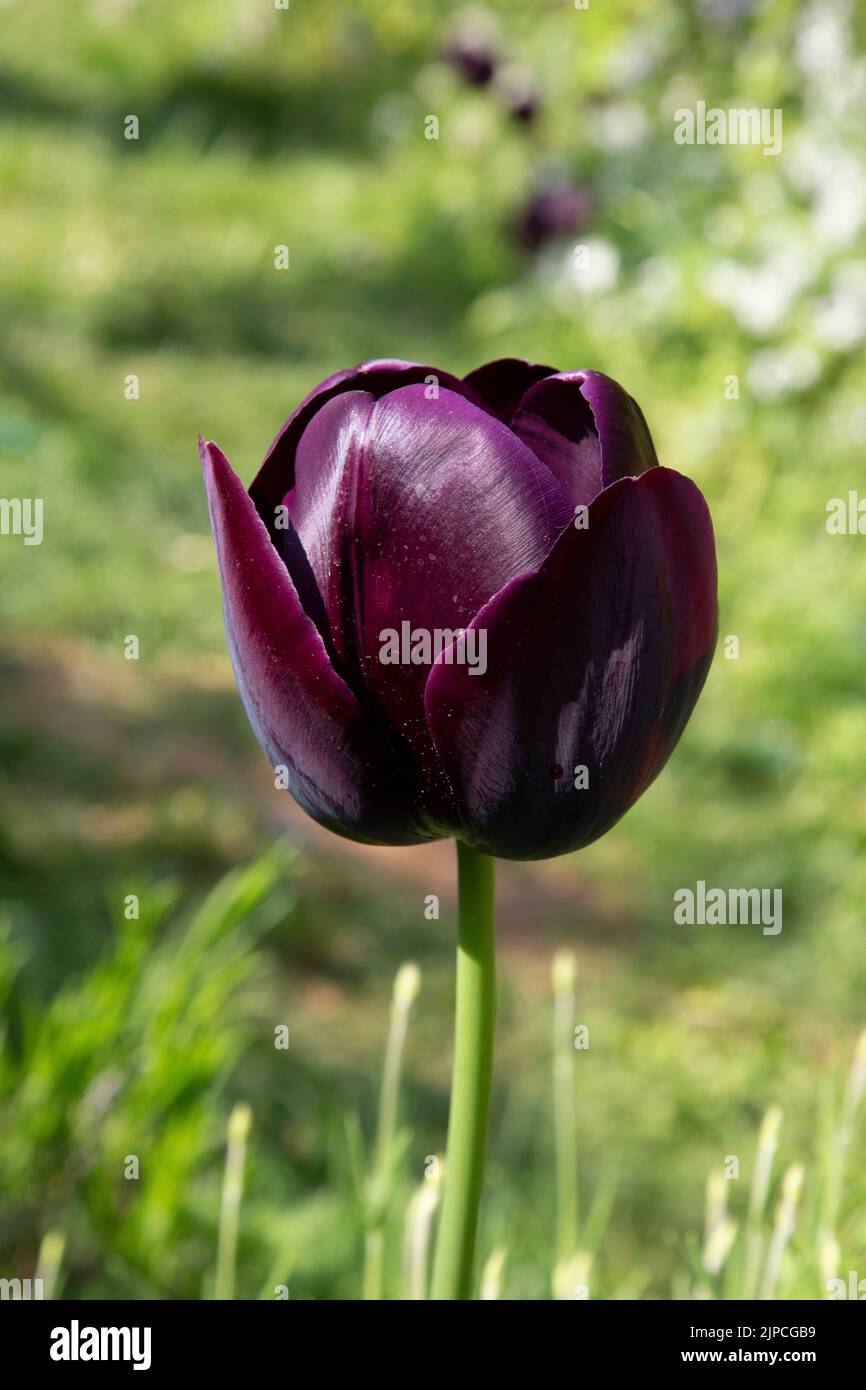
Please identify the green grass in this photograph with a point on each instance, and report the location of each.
(155, 258)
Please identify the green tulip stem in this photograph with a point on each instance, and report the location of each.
(473, 1065)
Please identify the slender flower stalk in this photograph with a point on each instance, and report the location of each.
(49, 1260)
(407, 983)
(786, 1216)
(564, 977)
(233, 1185)
(837, 1148)
(719, 1230)
(854, 1088)
(473, 1063)
(491, 1275)
(856, 1085)
(419, 1226)
(768, 1140)
(573, 1277)
(374, 1262)
(829, 1254)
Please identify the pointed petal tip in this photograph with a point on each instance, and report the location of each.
(221, 481)
(209, 451)
(206, 452)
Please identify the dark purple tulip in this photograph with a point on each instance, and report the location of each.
(556, 210)
(520, 506)
(472, 47)
(474, 63)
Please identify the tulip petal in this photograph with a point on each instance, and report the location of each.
(594, 661)
(276, 475)
(347, 774)
(503, 384)
(414, 510)
(588, 431)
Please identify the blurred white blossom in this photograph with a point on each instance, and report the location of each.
(776, 372)
(760, 296)
(839, 318)
(593, 266)
(619, 126)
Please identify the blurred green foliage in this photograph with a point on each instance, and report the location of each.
(155, 257)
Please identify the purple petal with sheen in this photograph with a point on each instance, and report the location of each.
(588, 431)
(344, 772)
(414, 511)
(276, 475)
(595, 661)
(503, 384)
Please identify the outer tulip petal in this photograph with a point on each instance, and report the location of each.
(596, 661)
(346, 773)
(588, 431)
(276, 475)
(503, 384)
(414, 510)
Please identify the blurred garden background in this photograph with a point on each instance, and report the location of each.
(726, 289)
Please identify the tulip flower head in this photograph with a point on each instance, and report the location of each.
(476, 608)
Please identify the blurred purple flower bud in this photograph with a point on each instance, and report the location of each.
(556, 210)
(517, 88)
(473, 46)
